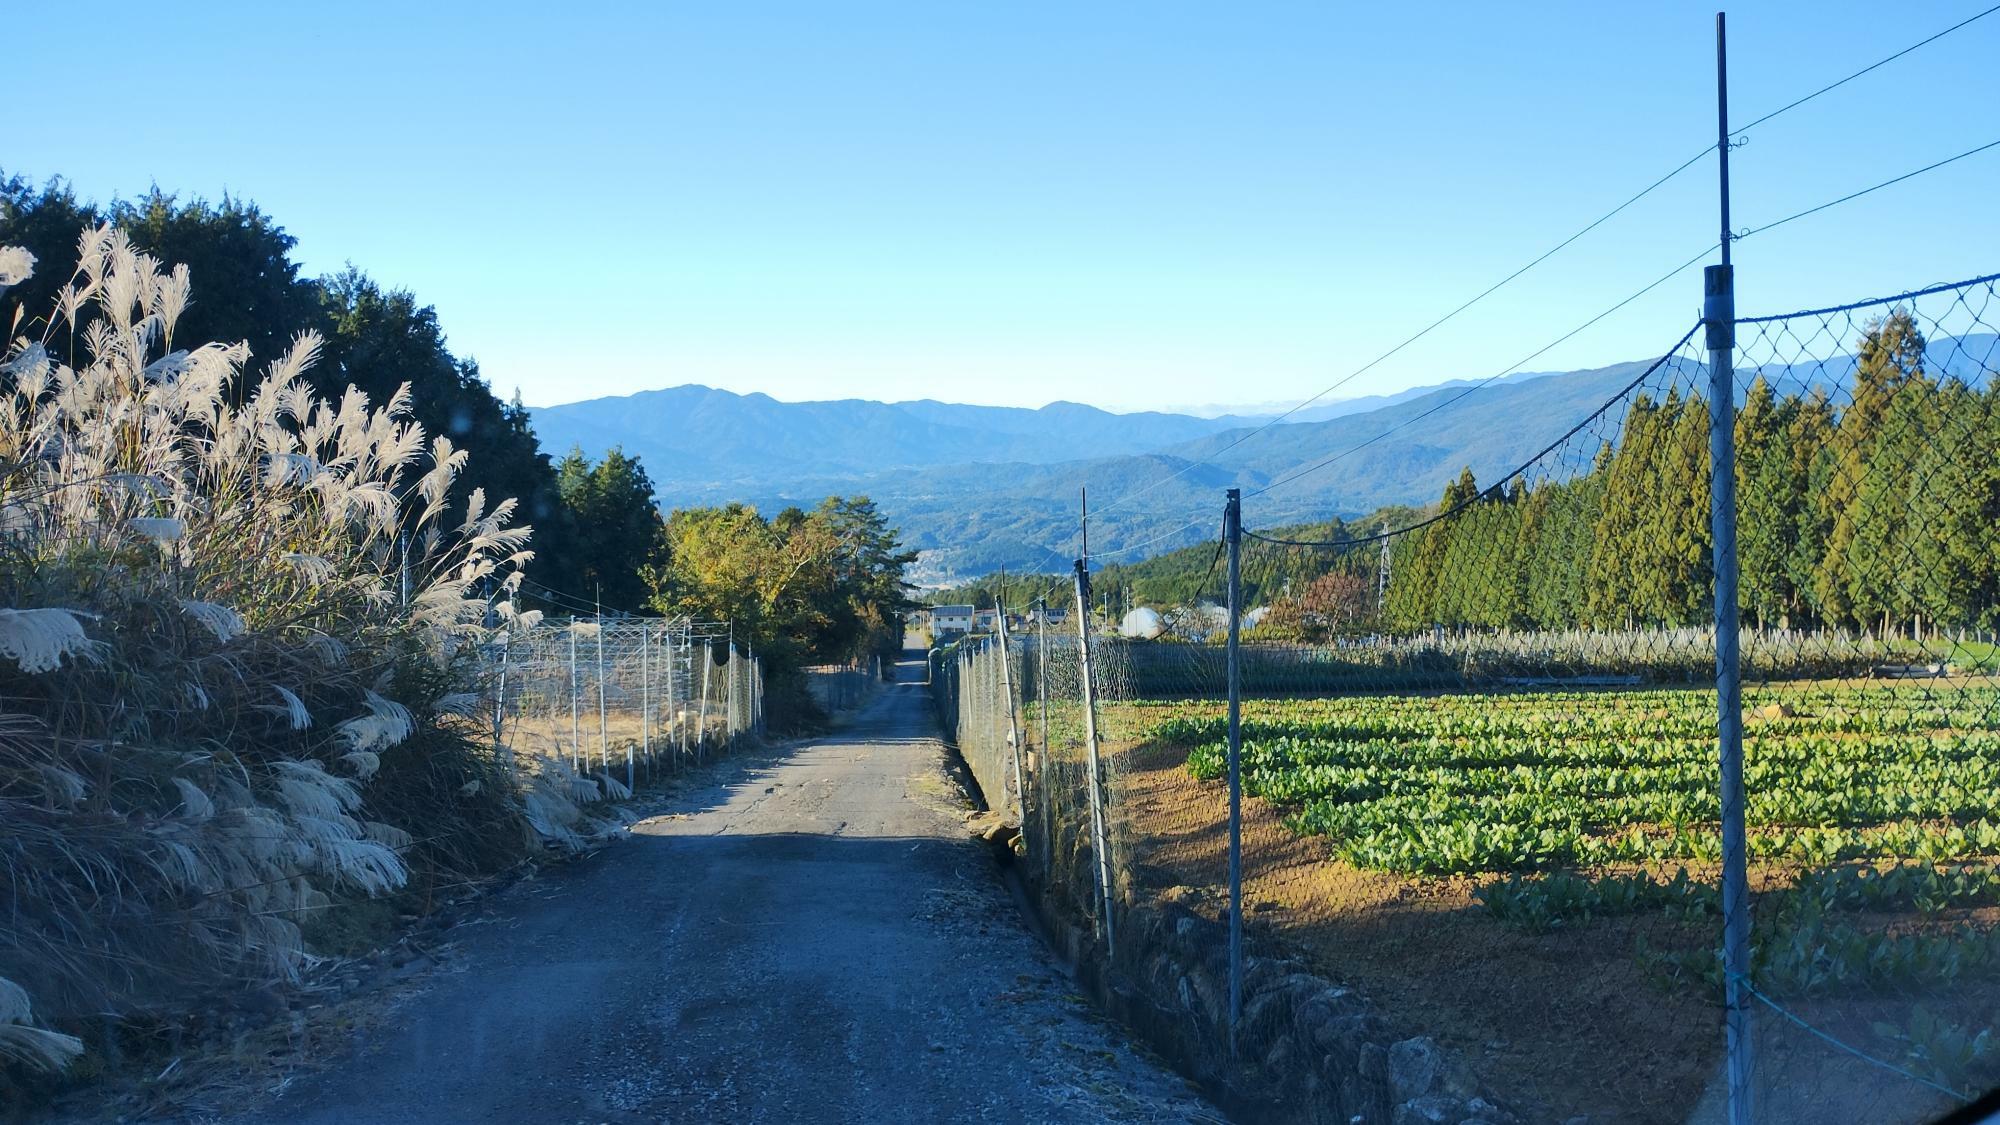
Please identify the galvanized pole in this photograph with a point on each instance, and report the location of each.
(1045, 763)
(1013, 729)
(674, 743)
(701, 733)
(603, 716)
(1719, 313)
(1097, 830)
(575, 704)
(1232, 534)
(500, 749)
(645, 704)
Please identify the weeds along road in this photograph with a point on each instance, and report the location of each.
(813, 938)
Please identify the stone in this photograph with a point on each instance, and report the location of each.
(1430, 1110)
(1371, 1062)
(1413, 1066)
(1479, 1111)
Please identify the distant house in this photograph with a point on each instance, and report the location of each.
(986, 620)
(950, 620)
(1054, 613)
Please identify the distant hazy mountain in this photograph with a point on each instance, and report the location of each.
(700, 438)
(978, 488)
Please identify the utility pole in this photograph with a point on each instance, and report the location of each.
(1719, 314)
(1232, 535)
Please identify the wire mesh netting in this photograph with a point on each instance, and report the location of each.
(620, 699)
(1480, 744)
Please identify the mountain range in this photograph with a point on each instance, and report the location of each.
(978, 488)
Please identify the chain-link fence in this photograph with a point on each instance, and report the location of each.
(840, 687)
(1489, 785)
(621, 699)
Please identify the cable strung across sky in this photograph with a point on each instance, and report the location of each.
(1737, 136)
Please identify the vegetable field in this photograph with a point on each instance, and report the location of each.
(1517, 782)
(1531, 875)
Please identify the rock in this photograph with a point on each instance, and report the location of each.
(411, 968)
(1432, 1110)
(1776, 711)
(1370, 1062)
(1413, 1066)
(1479, 1111)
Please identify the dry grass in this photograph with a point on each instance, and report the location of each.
(220, 716)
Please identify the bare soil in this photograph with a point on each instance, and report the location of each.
(1576, 1021)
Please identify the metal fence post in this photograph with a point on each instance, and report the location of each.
(500, 747)
(1046, 762)
(676, 728)
(603, 716)
(1719, 312)
(701, 734)
(645, 706)
(575, 704)
(1099, 835)
(1232, 534)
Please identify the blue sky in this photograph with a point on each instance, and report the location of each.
(1130, 204)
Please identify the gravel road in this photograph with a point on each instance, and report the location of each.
(810, 938)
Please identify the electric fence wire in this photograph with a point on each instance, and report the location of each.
(1737, 137)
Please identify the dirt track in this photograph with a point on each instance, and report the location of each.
(813, 938)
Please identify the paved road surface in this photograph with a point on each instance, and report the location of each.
(812, 938)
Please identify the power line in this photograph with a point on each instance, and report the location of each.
(1864, 70)
(1866, 190)
(1600, 316)
(1516, 366)
(1496, 486)
(1552, 251)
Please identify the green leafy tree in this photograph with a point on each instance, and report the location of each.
(803, 586)
(618, 531)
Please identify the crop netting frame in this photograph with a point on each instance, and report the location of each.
(619, 699)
